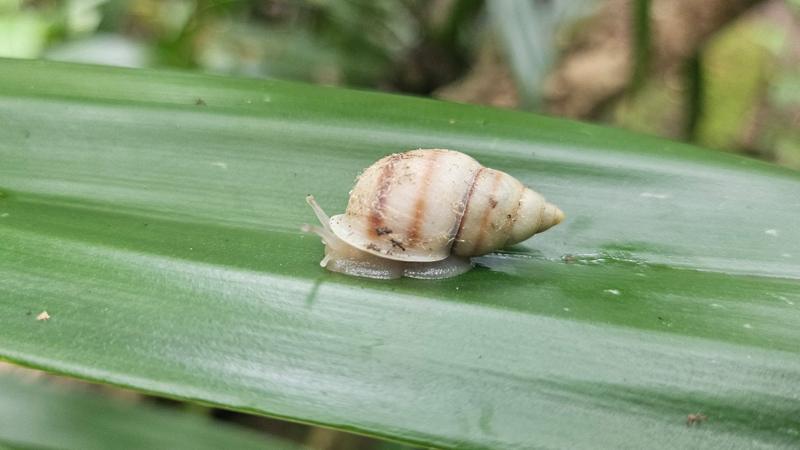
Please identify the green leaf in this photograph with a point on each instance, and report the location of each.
(36, 414)
(160, 232)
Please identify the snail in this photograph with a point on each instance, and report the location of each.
(424, 213)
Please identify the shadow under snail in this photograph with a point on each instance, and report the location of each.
(424, 213)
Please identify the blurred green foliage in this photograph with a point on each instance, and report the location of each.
(731, 93)
(53, 412)
(528, 31)
(352, 42)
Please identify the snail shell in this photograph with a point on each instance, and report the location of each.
(423, 213)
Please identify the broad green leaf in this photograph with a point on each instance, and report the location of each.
(37, 414)
(161, 233)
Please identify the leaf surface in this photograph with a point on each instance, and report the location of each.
(155, 215)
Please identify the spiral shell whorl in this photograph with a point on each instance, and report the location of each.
(534, 215)
(501, 211)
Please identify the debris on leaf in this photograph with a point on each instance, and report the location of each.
(696, 418)
(43, 316)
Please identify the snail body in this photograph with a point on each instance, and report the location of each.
(424, 213)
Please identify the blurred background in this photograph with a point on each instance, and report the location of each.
(723, 74)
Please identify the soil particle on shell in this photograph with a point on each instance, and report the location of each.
(380, 231)
(398, 244)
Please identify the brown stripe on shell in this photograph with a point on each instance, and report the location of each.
(422, 200)
(512, 216)
(465, 201)
(375, 217)
(541, 215)
(486, 217)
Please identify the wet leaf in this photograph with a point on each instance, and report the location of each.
(163, 239)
